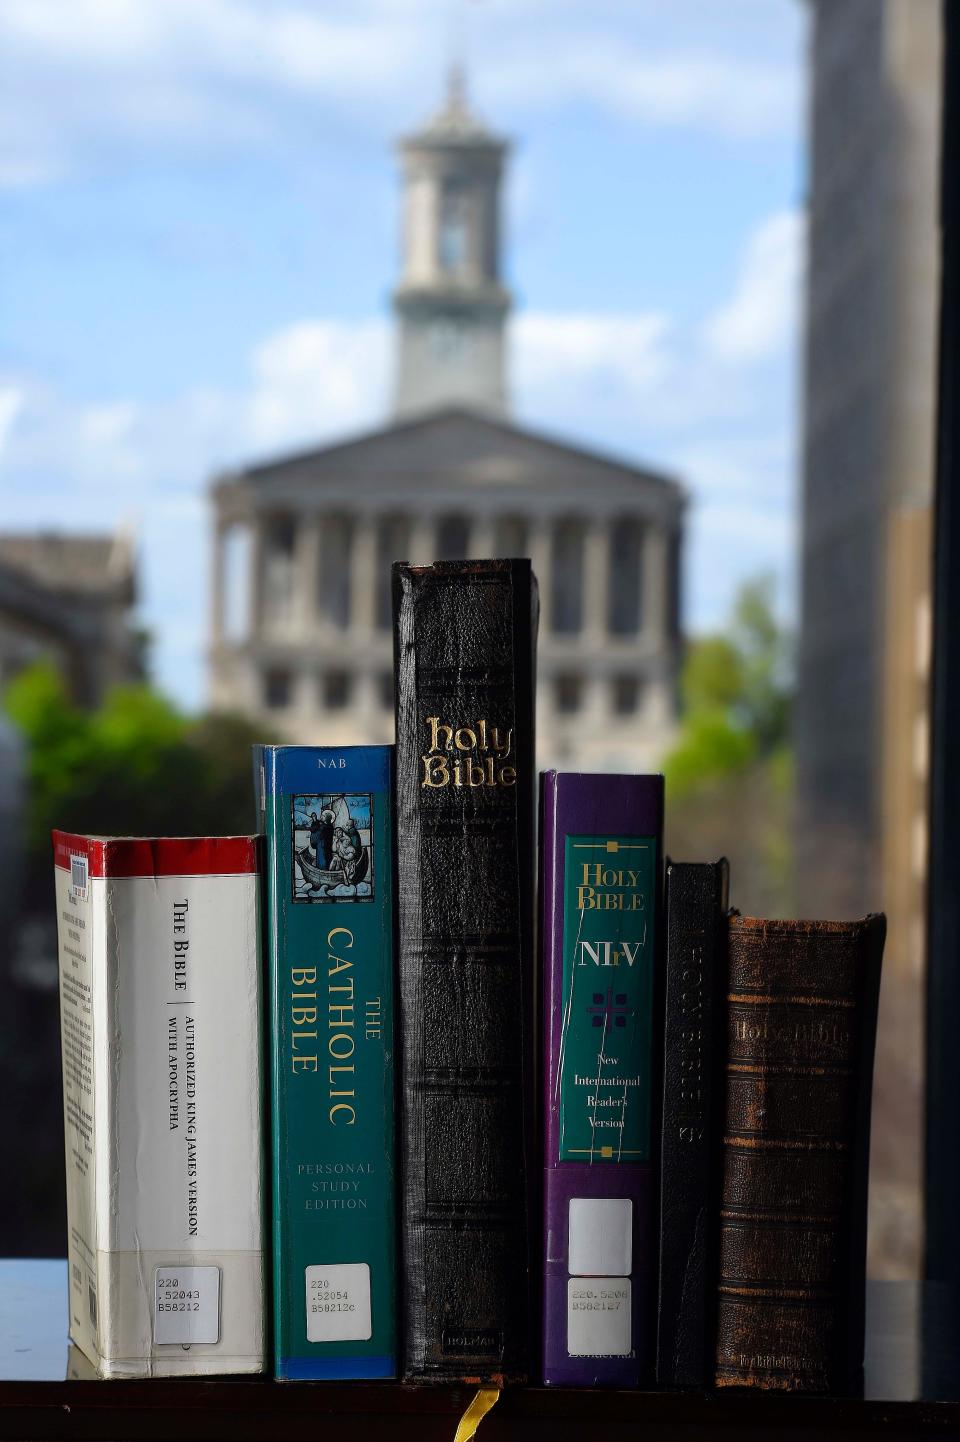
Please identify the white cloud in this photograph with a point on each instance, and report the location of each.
(108, 425)
(554, 349)
(11, 404)
(289, 45)
(93, 78)
(318, 378)
(90, 78)
(762, 312)
(741, 521)
(741, 99)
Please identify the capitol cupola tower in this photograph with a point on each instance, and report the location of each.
(450, 304)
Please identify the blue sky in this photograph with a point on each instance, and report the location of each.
(199, 228)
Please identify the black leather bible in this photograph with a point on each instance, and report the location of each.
(464, 636)
(696, 906)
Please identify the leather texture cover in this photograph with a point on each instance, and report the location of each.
(464, 639)
(601, 839)
(801, 1025)
(696, 932)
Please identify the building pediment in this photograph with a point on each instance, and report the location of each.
(459, 448)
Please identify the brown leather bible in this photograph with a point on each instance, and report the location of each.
(801, 1022)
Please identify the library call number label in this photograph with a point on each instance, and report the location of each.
(338, 1303)
(186, 1305)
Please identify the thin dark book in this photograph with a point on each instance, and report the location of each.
(696, 899)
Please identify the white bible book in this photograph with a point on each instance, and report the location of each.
(160, 1016)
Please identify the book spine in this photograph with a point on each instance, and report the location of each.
(695, 973)
(801, 1022)
(464, 640)
(79, 924)
(600, 864)
(328, 815)
(160, 994)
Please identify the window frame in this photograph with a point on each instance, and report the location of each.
(942, 1122)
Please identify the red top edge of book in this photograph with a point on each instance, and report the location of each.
(158, 855)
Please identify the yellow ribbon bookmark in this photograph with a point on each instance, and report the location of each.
(476, 1412)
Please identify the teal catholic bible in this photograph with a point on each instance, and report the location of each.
(327, 816)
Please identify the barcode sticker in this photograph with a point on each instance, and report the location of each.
(187, 1305)
(79, 872)
(338, 1303)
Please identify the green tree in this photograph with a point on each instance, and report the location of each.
(729, 775)
(735, 691)
(135, 767)
(765, 650)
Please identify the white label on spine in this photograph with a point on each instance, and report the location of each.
(601, 1237)
(186, 1305)
(598, 1317)
(338, 1303)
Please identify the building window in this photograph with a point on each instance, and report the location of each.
(336, 690)
(453, 538)
(454, 226)
(626, 695)
(567, 576)
(336, 547)
(385, 688)
(510, 536)
(277, 689)
(393, 544)
(625, 594)
(278, 570)
(568, 693)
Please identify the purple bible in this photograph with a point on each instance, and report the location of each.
(601, 843)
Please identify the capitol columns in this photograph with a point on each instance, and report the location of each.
(217, 582)
(482, 543)
(309, 550)
(423, 540)
(654, 620)
(596, 579)
(255, 590)
(363, 571)
(541, 556)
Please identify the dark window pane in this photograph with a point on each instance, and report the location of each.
(453, 538)
(386, 690)
(625, 596)
(567, 577)
(336, 690)
(393, 544)
(277, 689)
(510, 536)
(281, 535)
(568, 693)
(335, 569)
(626, 694)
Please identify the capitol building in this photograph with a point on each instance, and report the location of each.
(302, 545)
